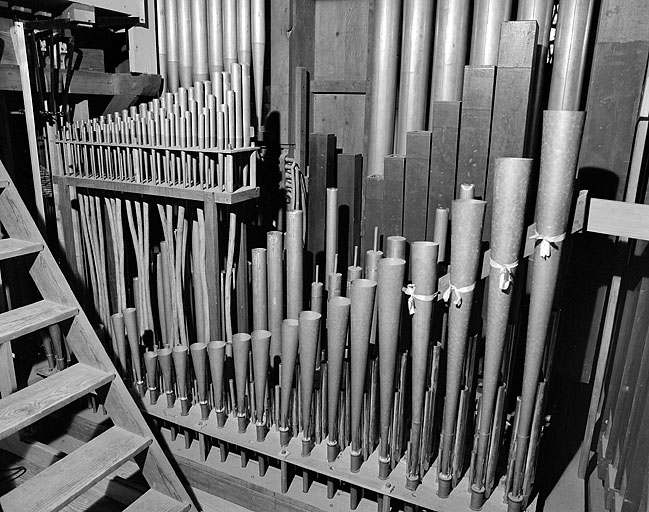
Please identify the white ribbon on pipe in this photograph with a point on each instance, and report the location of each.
(506, 273)
(458, 293)
(410, 291)
(548, 242)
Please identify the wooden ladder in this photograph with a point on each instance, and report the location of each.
(129, 438)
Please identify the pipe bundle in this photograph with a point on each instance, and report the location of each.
(198, 40)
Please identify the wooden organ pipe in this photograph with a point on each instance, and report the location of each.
(185, 50)
(199, 41)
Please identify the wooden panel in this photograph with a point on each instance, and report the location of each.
(415, 195)
(394, 171)
(349, 183)
(510, 123)
(443, 162)
(59, 484)
(322, 161)
(12, 248)
(38, 400)
(339, 86)
(26, 319)
(475, 127)
(343, 115)
(153, 501)
(341, 39)
(618, 219)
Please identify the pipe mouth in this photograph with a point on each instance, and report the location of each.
(216, 345)
(340, 301)
(397, 238)
(471, 201)
(179, 348)
(514, 159)
(309, 316)
(423, 243)
(117, 315)
(150, 355)
(364, 283)
(258, 250)
(198, 346)
(260, 334)
(163, 352)
(290, 322)
(130, 311)
(240, 337)
(391, 262)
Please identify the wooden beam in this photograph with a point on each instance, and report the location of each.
(415, 196)
(349, 182)
(91, 82)
(617, 218)
(394, 170)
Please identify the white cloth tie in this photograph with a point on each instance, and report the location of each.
(506, 273)
(410, 291)
(548, 242)
(458, 293)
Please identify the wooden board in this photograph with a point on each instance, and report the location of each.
(513, 101)
(12, 248)
(153, 501)
(349, 182)
(394, 171)
(475, 127)
(415, 194)
(443, 162)
(31, 318)
(58, 485)
(30, 404)
(342, 115)
(618, 219)
(367, 478)
(322, 161)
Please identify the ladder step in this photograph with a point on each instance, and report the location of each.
(32, 403)
(154, 501)
(4, 184)
(26, 319)
(55, 487)
(12, 247)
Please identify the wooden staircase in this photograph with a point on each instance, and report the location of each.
(130, 438)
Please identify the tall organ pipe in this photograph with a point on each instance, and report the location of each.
(384, 79)
(416, 51)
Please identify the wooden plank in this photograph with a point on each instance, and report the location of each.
(617, 218)
(23, 320)
(280, 72)
(301, 116)
(91, 82)
(339, 86)
(349, 182)
(372, 212)
(243, 487)
(367, 478)
(58, 485)
(415, 194)
(153, 501)
(85, 345)
(344, 116)
(513, 101)
(8, 382)
(12, 248)
(34, 402)
(192, 193)
(443, 162)
(475, 127)
(322, 161)
(394, 170)
(4, 184)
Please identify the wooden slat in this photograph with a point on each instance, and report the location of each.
(372, 211)
(153, 501)
(415, 195)
(475, 127)
(12, 248)
(32, 403)
(192, 194)
(618, 219)
(349, 182)
(394, 169)
(4, 184)
(26, 319)
(59, 484)
(443, 163)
